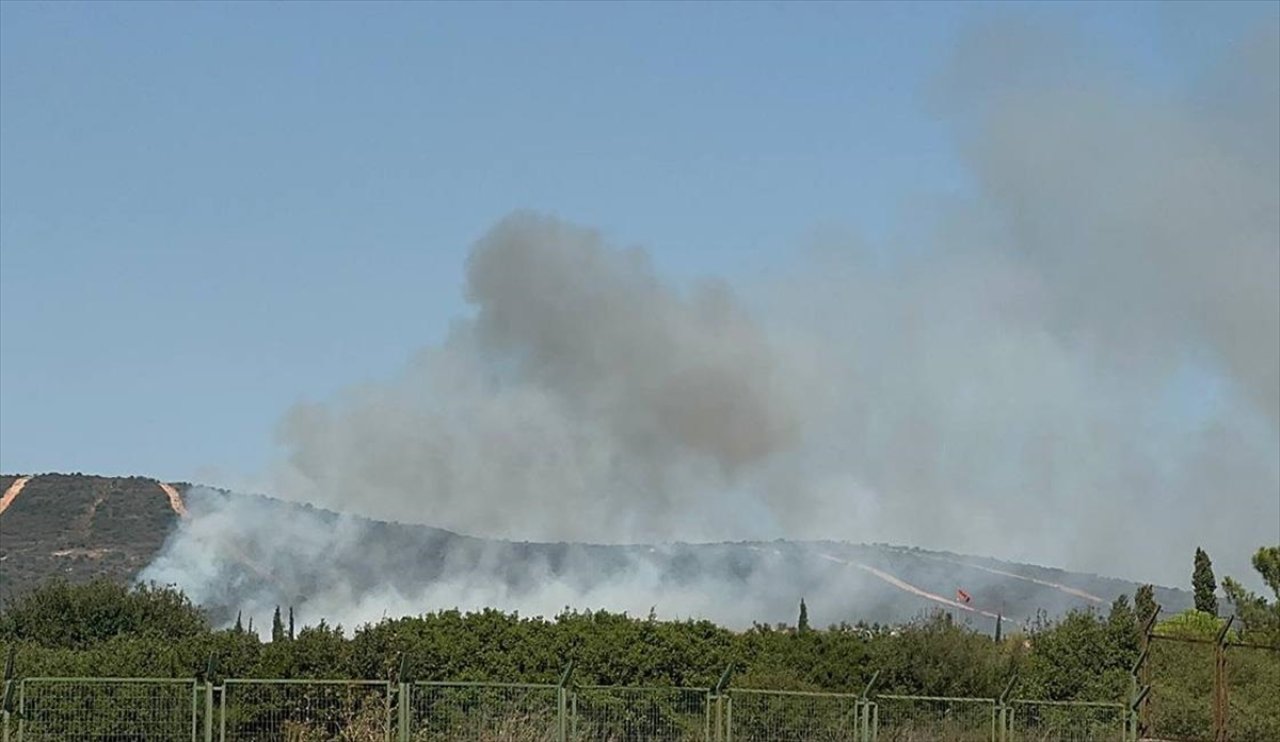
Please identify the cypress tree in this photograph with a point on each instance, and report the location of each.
(1203, 584)
(1144, 604)
(291, 623)
(277, 626)
(802, 626)
(1121, 614)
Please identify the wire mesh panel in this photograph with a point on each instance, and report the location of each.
(1253, 686)
(1066, 721)
(1182, 688)
(484, 712)
(792, 716)
(930, 718)
(616, 714)
(71, 709)
(305, 711)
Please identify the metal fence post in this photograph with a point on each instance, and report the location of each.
(864, 700)
(1220, 701)
(1003, 717)
(211, 666)
(1143, 669)
(22, 707)
(404, 700)
(1138, 699)
(6, 702)
(562, 705)
(1132, 720)
(717, 717)
(724, 713)
(208, 710)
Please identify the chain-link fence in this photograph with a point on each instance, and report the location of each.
(58, 709)
(305, 711)
(792, 716)
(930, 718)
(483, 712)
(1220, 687)
(616, 714)
(1252, 688)
(1181, 673)
(1066, 721)
(1210, 689)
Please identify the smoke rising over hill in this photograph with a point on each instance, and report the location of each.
(1082, 358)
(585, 400)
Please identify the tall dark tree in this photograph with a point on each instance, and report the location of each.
(1122, 626)
(1203, 585)
(277, 626)
(1121, 614)
(291, 634)
(802, 626)
(239, 623)
(1144, 604)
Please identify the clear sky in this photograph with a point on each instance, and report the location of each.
(211, 211)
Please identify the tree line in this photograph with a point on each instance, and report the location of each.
(105, 629)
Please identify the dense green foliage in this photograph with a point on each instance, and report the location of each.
(81, 617)
(102, 629)
(1258, 616)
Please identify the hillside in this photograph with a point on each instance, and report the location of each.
(79, 526)
(247, 553)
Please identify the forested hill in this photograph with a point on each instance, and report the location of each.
(79, 526)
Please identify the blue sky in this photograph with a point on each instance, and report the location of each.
(209, 212)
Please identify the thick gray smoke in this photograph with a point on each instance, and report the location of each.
(585, 400)
(1080, 365)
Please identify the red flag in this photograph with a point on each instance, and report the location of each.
(962, 596)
